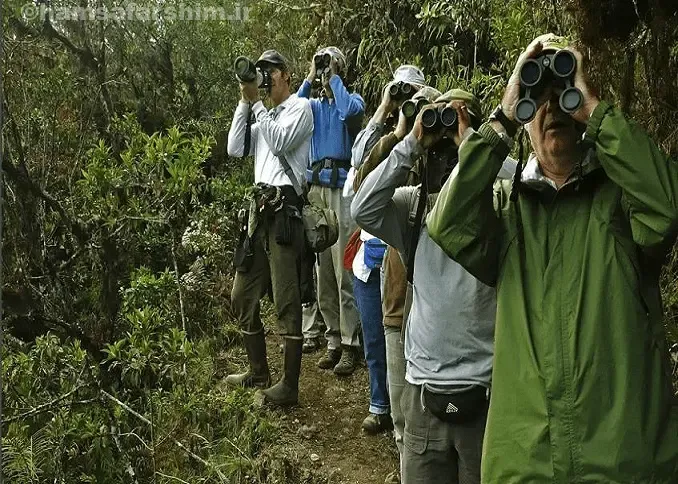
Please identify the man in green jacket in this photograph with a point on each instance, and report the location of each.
(581, 387)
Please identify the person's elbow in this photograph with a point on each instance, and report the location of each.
(234, 149)
(365, 218)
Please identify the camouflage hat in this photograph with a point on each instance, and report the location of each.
(553, 42)
(427, 92)
(472, 103)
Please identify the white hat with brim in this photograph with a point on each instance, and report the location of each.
(409, 74)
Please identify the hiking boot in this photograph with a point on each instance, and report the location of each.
(258, 375)
(286, 391)
(311, 345)
(392, 478)
(375, 424)
(330, 359)
(348, 361)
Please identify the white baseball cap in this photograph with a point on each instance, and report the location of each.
(410, 74)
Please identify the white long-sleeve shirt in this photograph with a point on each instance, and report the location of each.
(286, 130)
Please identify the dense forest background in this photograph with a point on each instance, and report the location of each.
(120, 201)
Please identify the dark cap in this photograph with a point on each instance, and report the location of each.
(272, 57)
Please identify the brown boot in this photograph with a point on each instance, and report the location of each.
(258, 375)
(348, 362)
(330, 359)
(286, 391)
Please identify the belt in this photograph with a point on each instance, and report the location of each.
(332, 164)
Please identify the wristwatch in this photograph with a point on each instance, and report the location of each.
(509, 126)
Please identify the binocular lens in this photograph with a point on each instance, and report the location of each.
(409, 109)
(564, 63)
(244, 69)
(406, 88)
(393, 90)
(525, 110)
(429, 118)
(530, 73)
(326, 58)
(570, 100)
(448, 116)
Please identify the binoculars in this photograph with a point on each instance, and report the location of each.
(401, 91)
(556, 69)
(246, 71)
(411, 108)
(321, 63)
(436, 118)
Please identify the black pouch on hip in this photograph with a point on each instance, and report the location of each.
(243, 254)
(282, 226)
(461, 405)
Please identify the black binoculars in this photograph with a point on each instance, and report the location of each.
(556, 69)
(322, 64)
(246, 71)
(436, 118)
(411, 108)
(400, 91)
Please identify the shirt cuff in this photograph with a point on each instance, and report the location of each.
(259, 109)
(596, 119)
(377, 126)
(498, 145)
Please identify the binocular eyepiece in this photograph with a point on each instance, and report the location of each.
(436, 118)
(400, 91)
(411, 108)
(555, 69)
(246, 71)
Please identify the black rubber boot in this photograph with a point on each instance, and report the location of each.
(258, 375)
(286, 391)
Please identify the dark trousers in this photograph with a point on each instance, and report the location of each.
(276, 266)
(437, 452)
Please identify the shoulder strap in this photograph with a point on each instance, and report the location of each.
(416, 229)
(248, 131)
(290, 174)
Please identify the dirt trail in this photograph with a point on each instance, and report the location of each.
(326, 423)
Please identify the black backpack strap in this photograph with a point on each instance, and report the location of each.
(248, 131)
(416, 229)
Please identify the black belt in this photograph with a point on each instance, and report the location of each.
(332, 164)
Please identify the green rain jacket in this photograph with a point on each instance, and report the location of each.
(581, 387)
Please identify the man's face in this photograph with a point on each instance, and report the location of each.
(280, 85)
(553, 133)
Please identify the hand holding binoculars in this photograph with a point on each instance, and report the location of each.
(246, 71)
(549, 69)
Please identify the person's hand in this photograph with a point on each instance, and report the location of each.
(249, 91)
(387, 103)
(512, 92)
(311, 73)
(591, 99)
(463, 121)
(334, 66)
(401, 128)
(426, 138)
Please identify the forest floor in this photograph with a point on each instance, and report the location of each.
(323, 432)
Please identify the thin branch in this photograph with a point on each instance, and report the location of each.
(126, 407)
(44, 407)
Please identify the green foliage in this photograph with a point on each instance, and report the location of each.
(121, 201)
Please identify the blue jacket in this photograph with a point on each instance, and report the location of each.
(335, 125)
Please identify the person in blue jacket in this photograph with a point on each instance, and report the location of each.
(337, 117)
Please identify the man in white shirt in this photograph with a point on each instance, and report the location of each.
(272, 248)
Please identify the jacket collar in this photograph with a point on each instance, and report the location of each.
(533, 177)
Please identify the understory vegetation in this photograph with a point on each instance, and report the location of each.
(120, 206)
